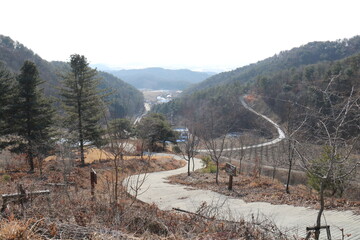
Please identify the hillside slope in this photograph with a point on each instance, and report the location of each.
(126, 100)
(296, 76)
(310, 53)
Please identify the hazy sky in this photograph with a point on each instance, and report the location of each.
(195, 34)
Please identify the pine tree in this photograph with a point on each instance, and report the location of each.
(32, 116)
(7, 81)
(82, 103)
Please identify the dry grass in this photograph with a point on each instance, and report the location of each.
(264, 189)
(96, 155)
(17, 230)
(72, 213)
(91, 155)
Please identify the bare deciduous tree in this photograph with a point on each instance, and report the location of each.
(118, 136)
(189, 147)
(332, 122)
(212, 131)
(292, 128)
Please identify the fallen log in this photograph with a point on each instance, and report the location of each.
(60, 184)
(21, 197)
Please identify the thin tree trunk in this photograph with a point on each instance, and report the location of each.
(240, 161)
(82, 156)
(260, 160)
(116, 180)
(188, 166)
(242, 153)
(288, 178)
(273, 154)
(318, 220)
(250, 152)
(267, 155)
(290, 160)
(274, 172)
(217, 172)
(30, 155)
(81, 136)
(31, 161)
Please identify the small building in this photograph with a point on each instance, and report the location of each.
(183, 134)
(161, 99)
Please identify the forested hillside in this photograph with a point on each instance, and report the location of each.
(304, 86)
(296, 79)
(159, 78)
(220, 104)
(13, 54)
(310, 53)
(125, 100)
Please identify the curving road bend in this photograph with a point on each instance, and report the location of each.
(290, 219)
(279, 130)
(147, 108)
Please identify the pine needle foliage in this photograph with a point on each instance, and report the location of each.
(7, 82)
(82, 103)
(32, 116)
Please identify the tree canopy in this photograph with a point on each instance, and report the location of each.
(82, 103)
(154, 128)
(32, 116)
(7, 82)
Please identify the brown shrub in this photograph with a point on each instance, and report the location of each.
(17, 230)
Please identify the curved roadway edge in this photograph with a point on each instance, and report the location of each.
(279, 130)
(290, 219)
(280, 137)
(147, 108)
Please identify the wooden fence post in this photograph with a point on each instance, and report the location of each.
(310, 229)
(93, 181)
(231, 171)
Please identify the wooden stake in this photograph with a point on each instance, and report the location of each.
(93, 181)
(230, 182)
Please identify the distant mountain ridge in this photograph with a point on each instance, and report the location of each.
(125, 101)
(159, 78)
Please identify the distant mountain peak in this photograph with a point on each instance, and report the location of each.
(156, 78)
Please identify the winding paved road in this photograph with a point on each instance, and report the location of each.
(147, 108)
(290, 219)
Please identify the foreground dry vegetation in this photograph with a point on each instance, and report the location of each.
(71, 212)
(252, 188)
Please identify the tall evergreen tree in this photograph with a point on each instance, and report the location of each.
(6, 98)
(32, 116)
(82, 103)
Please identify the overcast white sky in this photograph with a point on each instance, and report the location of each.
(195, 34)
